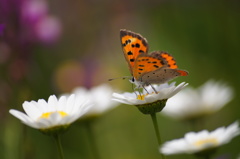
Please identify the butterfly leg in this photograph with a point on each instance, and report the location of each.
(135, 91)
(139, 91)
(140, 94)
(145, 89)
(153, 88)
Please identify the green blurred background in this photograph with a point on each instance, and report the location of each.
(202, 35)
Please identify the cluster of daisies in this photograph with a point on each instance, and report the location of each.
(189, 105)
(57, 114)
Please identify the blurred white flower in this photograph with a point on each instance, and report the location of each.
(201, 141)
(54, 113)
(193, 103)
(99, 96)
(164, 92)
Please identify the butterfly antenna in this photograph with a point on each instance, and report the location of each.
(124, 77)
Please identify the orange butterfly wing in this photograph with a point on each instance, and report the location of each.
(153, 62)
(171, 63)
(147, 63)
(133, 45)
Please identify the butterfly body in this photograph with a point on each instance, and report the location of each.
(154, 68)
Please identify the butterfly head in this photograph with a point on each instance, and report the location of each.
(137, 83)
(132, 80)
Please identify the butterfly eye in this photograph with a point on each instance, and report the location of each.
(133, 79)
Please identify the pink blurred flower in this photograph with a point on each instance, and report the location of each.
(2, 28)
(33, 10)
(48, 29)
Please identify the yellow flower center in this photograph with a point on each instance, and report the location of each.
(206, 142)
(142, 96)
(46, 115)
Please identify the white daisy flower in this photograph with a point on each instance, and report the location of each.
(53, 114)
(99, 96)
(149, 97)
(195, 143)
(191, 103)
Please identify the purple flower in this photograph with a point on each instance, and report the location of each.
(33, 10)
(29, 21)
(2, 28)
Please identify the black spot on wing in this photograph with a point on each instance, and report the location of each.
(126, 42)
(129, 53)
(124, 32)
(137, 45)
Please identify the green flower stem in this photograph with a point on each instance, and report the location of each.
(203, 157)
(59, 145)
(155, 124)
(206, 154)
(196, 124)
(92, 140)
(207, 157)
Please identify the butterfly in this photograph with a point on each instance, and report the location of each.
(146, 69)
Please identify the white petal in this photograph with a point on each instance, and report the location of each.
(62, 102)
(44, 123)
(23, 117)
(70, 104)
(175, 147)
(32, 110)
(52, 103)
(43, 105)
(152, 98)
(55, 119)
(82, 110)
(229, 133)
